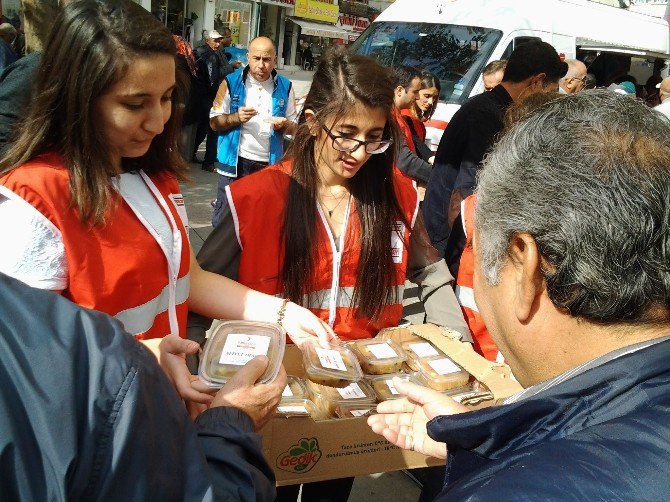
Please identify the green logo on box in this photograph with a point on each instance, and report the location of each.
(300, 457)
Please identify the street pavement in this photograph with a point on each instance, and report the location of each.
(198, 195)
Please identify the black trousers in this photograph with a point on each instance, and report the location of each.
(204, 130)
(333, 490)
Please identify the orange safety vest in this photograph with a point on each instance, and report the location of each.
(258, 202)
(120, 268)
(404, 128)
(483, 344)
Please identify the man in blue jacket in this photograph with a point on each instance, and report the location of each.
(572, 246)
(253, 109)
(86, 413)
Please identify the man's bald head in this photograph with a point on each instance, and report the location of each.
(664, 89)
(575, 78)
(262, 58)
(7, 32)
(262, 44)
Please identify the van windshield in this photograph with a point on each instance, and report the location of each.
(456, 54)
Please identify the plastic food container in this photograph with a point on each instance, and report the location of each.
(354, 410)
(441, 373)
(384, 388)
(419, 350)
(235, 343)
(327, 399)
(335, 367)
(294, 407)
(379, 357)
(295, 389)
(472, 394)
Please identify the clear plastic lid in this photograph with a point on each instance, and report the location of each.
(327, 399)
(379, 357)
(471, 394)
(346, 410)
(417, 350)
(295, 389)
(441, 373)
(384, 388)
(336, 366)
(235, 343)
(294, 407)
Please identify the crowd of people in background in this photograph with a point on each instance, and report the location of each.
(547, 201)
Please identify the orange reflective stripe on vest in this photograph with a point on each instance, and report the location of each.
(257, 204)
(483, 343)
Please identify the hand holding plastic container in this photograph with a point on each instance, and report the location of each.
(235, 343)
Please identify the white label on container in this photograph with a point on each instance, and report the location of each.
(330, 359)
(239, 349)
(397, 244)
(382, 350)
(287, 392)
(296, 408)
(392, 388)
(359, 413)
(424, 349)
(444, 366)
(351, 391)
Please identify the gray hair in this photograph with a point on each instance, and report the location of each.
(588, 177)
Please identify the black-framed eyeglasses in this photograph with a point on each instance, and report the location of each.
(350, 145)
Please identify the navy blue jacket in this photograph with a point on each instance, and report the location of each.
(86, 413)
(601, 435)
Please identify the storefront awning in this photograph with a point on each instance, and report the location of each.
(320, 29)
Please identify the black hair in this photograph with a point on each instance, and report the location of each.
(532, 58)
(403, 75)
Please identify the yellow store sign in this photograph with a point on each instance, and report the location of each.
(319, 11)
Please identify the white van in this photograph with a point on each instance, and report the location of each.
(455, 39)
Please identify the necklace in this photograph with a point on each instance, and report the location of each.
(339, 201)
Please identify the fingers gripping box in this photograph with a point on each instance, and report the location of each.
(302, 450)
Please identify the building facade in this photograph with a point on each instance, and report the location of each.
(293, 25)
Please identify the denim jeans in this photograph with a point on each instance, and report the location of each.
(244, 168)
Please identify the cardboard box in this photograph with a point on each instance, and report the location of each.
(302, 450)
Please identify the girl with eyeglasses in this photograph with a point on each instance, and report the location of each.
(335, 226)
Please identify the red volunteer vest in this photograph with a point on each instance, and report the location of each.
(464, 284)
(119, 268)
(406, 131)
(257, 203)
(419, 127)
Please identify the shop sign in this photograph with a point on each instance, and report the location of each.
(352, 23)
(280, 3)
(319, 11)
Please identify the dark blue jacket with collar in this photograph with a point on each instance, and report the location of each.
(86, 413)
(601, 435)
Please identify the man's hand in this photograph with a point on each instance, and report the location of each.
(259, 401)
(303, 326)
(172, 357)
(246, 113)
(403, 421)
(236, 64)
(278, 123)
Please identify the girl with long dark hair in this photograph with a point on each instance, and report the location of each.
(336, 226)
(90, 205)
